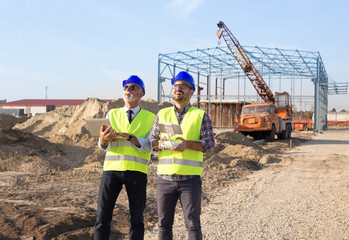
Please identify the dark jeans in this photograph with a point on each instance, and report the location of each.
(110, 187)
(189, 194)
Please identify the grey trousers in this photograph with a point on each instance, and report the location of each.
(189, 194)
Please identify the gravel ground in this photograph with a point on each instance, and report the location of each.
(306, 196)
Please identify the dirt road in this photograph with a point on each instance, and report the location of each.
(305, 197)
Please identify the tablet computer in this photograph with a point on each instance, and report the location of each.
(94, 125)
(170, 128)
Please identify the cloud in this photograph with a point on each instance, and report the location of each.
(181, 9)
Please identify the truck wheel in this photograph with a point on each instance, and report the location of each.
(271, 134)
(284, 133)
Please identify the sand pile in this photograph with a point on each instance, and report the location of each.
(25, 152)
(8, 121)
(234, 150)
(68, 121)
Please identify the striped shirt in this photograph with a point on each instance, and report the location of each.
(206, 138)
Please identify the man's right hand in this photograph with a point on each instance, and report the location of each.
(161, 145)
(106, 134)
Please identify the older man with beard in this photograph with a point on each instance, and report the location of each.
(126, 162)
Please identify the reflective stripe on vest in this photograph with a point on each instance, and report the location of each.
(121, 144)
(123, 155)
(126, 157)
(188, 162)
(181, 162)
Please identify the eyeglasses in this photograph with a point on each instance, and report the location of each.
(181, 86)
(130, 87)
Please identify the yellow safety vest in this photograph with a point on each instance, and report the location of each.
(122, 156)
(188, 162)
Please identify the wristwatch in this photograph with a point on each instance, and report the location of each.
(129, 137)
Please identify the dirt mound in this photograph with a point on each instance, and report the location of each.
(8, 121)
(25, 152)
(235, 138)
(234, 158)
(67, 120)
(236, 151)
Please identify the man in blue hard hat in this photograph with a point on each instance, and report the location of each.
(179, 168)
(126, 162)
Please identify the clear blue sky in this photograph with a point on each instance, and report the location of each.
(85, 48)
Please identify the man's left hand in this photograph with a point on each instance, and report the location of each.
(181, 147)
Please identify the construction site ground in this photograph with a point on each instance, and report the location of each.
(50, 170)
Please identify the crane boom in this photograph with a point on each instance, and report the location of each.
(240, 55)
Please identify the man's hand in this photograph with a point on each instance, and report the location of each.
(181, 147)
(106, 134)
(187, 144)
(122, 135)
(160, 143)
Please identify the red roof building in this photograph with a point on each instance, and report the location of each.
(35, 106)
(43, 102)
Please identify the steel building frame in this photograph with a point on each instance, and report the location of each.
(272, 63)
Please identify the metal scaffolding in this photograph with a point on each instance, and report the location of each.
(274, 64)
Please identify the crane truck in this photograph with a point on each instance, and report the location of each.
(259, 120)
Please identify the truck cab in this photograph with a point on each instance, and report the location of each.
(264, 120)
(259, 120)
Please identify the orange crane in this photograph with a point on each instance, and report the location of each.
(240, 55)
(259, 120)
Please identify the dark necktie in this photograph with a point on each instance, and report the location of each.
(129, 115)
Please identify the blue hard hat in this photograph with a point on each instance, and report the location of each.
(185, 76)
(134, 79)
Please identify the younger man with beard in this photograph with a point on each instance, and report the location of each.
(126, 161)
(179, 169)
